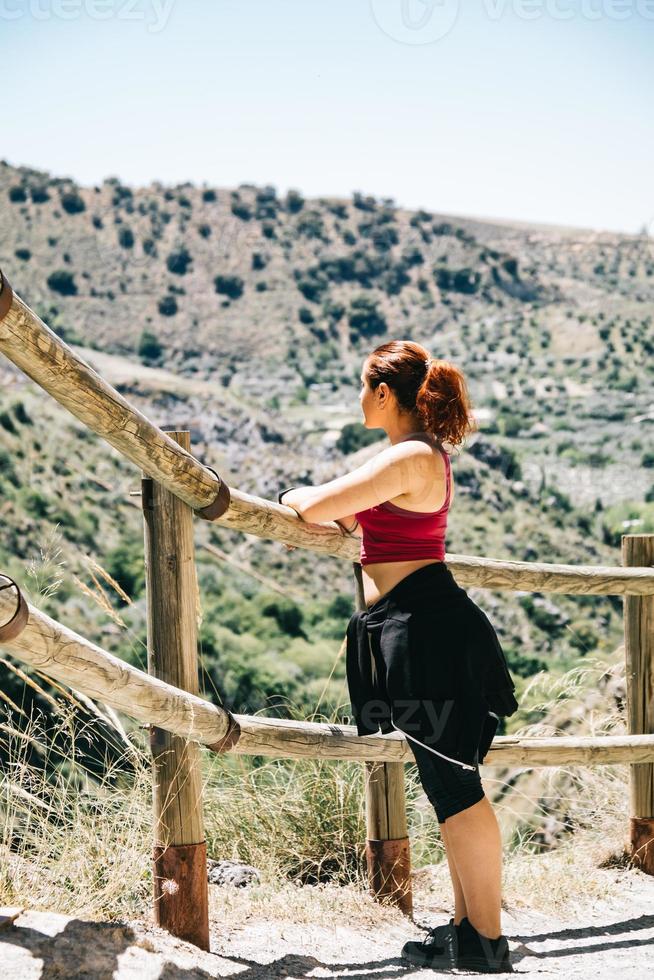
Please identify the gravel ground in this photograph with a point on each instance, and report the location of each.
(603, 939)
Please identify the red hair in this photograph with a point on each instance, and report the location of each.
(432, 388)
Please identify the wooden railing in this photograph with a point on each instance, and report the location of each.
(176, 485)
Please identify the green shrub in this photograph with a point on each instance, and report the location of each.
(179, 260)
(412, 256)
(36, 504)
(286, 613)
(523, 665)
(336, 208)
(231, 286)
(442, 276)
(458, 280)
(466, 280)
(23, 254)
(310, 224)
(126, 237)
(7, 470)
(354, 436)
(21, 414)
(39, 195)
(544, 614)
(168, 305)
(364, 317)
(394, 279)
(125, 563)
(149, 348)
(72, 203)
(294, 202)
(241, 210)
(17, 194)
(209, 195)
(627, 517)
(312, 286)
(362, 202)
(267, 204)
(61, 281)
(583, 635)
(510, 425)
(383, 236)
(121, 195)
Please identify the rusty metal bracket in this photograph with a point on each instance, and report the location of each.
(15, 626)
(229, 739)
(218, 506)
(6, 295)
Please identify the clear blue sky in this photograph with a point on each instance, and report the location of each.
(537, 110)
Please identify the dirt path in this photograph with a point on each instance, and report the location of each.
(338, 936)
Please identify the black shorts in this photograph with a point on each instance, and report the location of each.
(448, 788)
(425, 660)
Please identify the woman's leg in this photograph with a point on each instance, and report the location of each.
(460, 909)
(474, 844)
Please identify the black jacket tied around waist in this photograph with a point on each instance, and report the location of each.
(425, 660)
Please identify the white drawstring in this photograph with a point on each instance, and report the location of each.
(464, 765)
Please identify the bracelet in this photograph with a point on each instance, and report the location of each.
(282, 492)
(349, 530)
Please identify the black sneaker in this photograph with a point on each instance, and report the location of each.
(438, 950)
(477, 952)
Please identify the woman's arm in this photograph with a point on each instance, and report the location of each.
(350, 528)
(402, 468)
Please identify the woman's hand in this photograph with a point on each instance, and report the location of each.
(291, 547)
(342, 530)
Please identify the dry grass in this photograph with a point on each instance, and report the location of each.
(81, 845)
(71, 842)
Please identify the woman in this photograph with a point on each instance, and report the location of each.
(423, 658)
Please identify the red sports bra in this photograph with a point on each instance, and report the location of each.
(392, 533)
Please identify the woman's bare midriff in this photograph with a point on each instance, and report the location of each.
(380, 577)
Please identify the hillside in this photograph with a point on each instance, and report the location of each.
(276, 302)
(245, 317)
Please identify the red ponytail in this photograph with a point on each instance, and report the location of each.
(433, 389)
(443, 404)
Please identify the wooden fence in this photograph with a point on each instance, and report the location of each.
(175, 486)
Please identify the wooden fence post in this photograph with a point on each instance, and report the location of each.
(638, 549)
(181, 902)
(388, 855)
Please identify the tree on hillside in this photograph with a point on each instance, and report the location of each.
(149, 349)
(364, 318)
(179, 260)
(72, 203)
(61, 281)
(231, 286)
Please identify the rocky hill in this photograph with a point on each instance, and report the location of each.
(245, 317)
